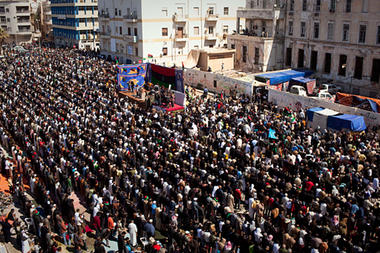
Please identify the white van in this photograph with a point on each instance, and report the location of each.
(298, 90)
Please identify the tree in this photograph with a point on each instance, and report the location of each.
(3, 36)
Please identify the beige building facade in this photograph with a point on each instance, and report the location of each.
(338, 39)
(259, 46)
(15, 20)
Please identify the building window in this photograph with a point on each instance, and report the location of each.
(257, 55)
(301, 56)
(264, 4)
(135, 31)
(327, 63)
(342, 65)
(375, 76)
(210, 30)
(226, 11)
(291, 7)
(304, 5)
(358, 67)
(164, 12)
(121, 30)
(288, 56)
(316, 30)
(348, 5)
(115, 11)
(210, 10)
(303, 29)
(332, 5)
(330, 31)
(165, 51)
(215, 83)
(318, 5)
(196, 30)
(244, 53)
(364, 5)
(378, 35)
(196, 11)
(362, 33)
(225, 29)
(165, 31)
(346, 32)
(290, 28)
(137, 51)
(232, 46)
(129, 31)
(313, 60)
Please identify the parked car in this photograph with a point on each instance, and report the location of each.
(330, 88)
(298, 90)
(323, 94)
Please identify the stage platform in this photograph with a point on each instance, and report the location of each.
(133, 98)
(141, 102)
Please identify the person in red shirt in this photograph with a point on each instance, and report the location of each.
(309, 185)
(96, 223)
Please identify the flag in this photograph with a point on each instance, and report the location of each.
(272, 134)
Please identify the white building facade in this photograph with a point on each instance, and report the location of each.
(163, 31)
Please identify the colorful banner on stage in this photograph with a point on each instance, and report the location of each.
(129, 74)
(165, 76)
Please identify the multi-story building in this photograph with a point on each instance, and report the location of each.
(164, 31)
(75, 23)
(46, 21)
(15, 20)
(259, 47)
(339, 39)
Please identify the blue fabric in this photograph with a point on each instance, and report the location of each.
(310, 112)
(282, 77)
(346, 121)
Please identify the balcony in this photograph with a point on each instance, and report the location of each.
(130, 38)
(181, 38)
(131, 18)
(104, 15)
(180, 18)
(24, 30)
(22, 10)
(105, 34)
(21, 21)
(212, 17)
(265, 14)
(211, 36)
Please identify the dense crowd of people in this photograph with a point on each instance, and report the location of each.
(208, 179)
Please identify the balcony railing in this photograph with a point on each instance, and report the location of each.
(104, 15)
(182, 37)
(212, 17)
(23, 30)
(180, 18)
(22, 10)
(132, 17)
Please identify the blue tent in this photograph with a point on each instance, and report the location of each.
(279, 77)
(310, 112)
(346, 121)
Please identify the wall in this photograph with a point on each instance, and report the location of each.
(295, 102)
(206, 79)
(351, 48)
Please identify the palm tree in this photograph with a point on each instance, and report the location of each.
(3, 36)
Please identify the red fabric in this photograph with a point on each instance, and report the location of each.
(88, 229)
(309, 185)
(163, 70)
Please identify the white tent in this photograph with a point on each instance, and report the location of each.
(320, 118)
